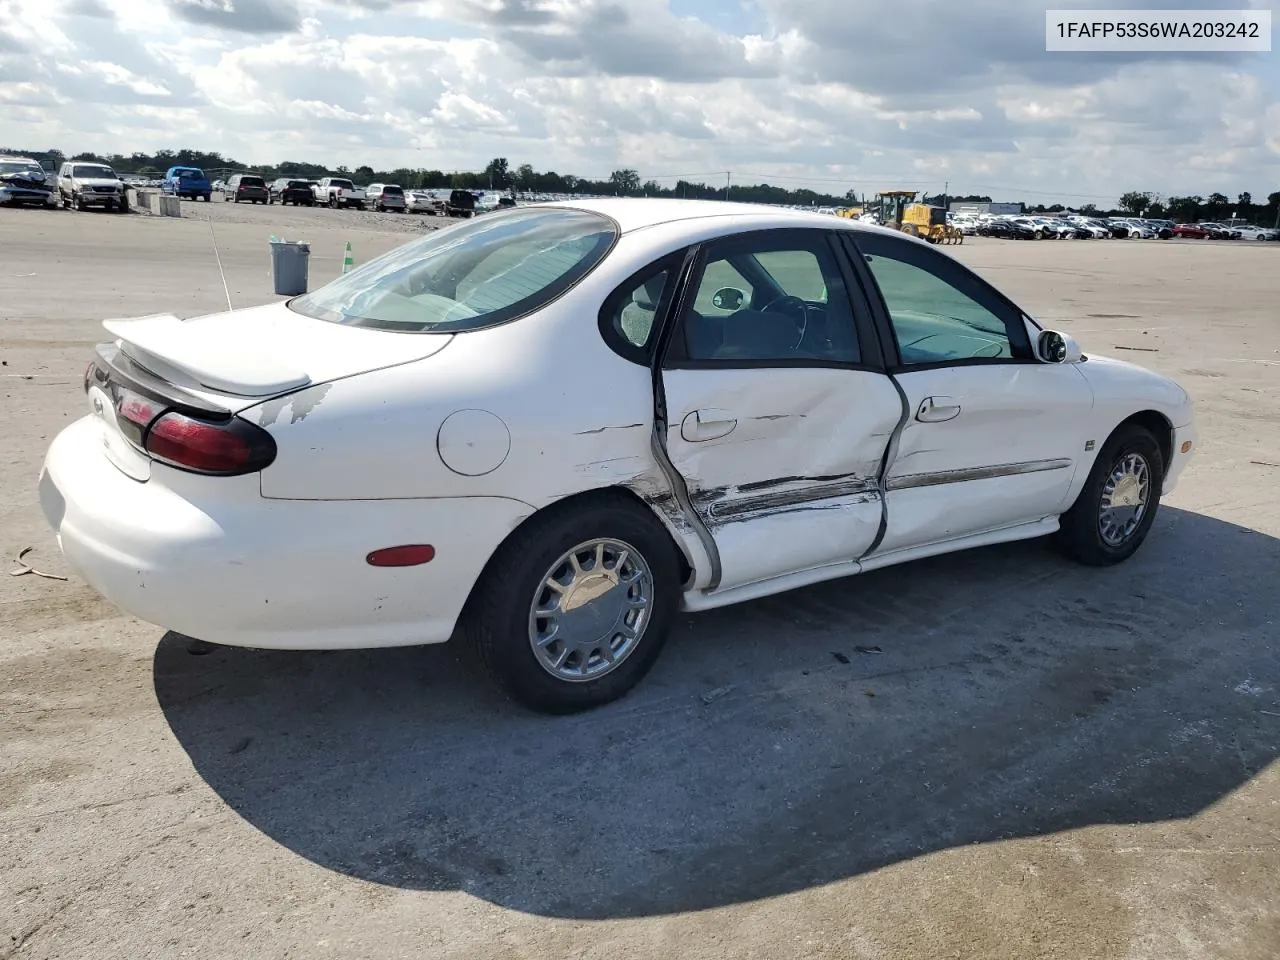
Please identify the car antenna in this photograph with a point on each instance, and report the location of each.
(217, 256)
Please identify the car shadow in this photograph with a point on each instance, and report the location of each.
(777, 745)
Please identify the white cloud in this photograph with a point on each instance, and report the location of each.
(834, 91)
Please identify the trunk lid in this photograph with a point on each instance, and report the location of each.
(220, 364)
(248, 355)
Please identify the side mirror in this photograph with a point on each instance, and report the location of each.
(1055, 347)
(728, 298)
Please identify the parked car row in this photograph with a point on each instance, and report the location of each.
(1079, 227)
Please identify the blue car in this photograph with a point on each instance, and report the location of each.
(187, 182)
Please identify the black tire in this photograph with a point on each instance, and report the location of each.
(496, 619)
(1080, 534)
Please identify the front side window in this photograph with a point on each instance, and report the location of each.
(475, 274)
(777, 296)
(940, 312)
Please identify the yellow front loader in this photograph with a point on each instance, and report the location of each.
(899, 211)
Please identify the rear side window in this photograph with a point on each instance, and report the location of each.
(472, 275)
(629, 315)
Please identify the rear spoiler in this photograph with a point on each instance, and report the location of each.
(111, 365)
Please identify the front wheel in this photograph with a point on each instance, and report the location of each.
(1118, 504)
(574, 609)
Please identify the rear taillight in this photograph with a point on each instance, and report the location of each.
(201, 446)
(134, 414)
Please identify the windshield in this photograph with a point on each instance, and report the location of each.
(93, 171)
(472, 275)
(20, 166)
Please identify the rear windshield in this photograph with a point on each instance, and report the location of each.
(253, 181)
(394, 191)
(475, 274)
(190, 174)
(299, 184)
(343, 184)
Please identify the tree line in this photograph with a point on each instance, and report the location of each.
(499, 174)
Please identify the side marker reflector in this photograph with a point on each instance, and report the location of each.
(406, 555)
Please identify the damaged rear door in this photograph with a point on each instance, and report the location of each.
(778, 412)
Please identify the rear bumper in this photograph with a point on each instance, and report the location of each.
(213, 559)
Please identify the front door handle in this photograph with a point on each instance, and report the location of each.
(709, 424)
(937, 410)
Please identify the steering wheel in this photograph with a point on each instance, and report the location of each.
(785, 304)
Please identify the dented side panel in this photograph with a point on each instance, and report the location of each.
(792, 482)
(1006, 457)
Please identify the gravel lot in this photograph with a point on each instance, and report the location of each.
(1044, 761)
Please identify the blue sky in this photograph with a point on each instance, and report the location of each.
(836, 94)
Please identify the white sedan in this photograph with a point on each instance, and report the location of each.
(552, 427)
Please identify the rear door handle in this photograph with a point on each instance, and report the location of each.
(708, 424)
(937, 410)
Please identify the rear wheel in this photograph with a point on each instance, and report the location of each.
(1118, 504)
(575, 608)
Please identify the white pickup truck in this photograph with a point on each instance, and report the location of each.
(339, 192)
